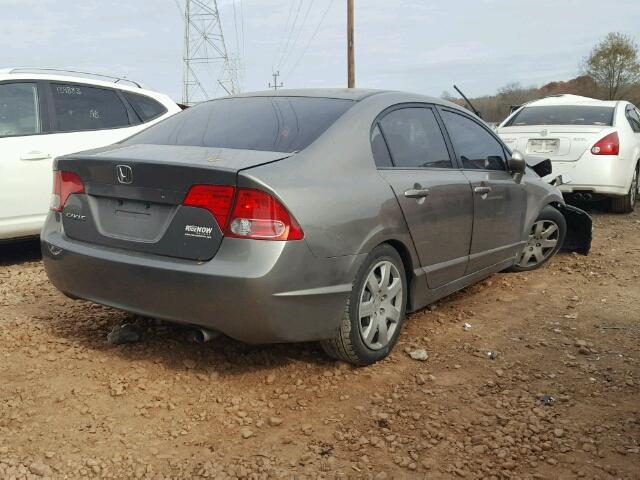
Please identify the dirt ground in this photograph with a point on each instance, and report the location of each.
(560, 400)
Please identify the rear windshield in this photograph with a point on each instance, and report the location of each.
(276, 124)
(563, 115)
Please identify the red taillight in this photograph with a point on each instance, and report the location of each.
(215, 198)
(256, 214)
(64, 184)
(609, 145)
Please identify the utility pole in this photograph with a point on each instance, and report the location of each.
(206, 61)
(351, 69)
(275, 85)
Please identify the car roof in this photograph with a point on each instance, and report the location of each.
(61, 75)
(567, 99)
(340, 93)
(355, 94)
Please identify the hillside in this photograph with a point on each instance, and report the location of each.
(494, 108)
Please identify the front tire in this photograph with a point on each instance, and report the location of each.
(627, 203)
(375, 310)
(545, 239)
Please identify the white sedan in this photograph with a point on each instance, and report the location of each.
(46, 113)
(593, 144)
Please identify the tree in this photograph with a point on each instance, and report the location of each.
(614, 64)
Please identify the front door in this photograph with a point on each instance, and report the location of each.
(499, 201)
(434, 196)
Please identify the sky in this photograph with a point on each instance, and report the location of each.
(418, 46)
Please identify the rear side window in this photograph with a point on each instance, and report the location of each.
(379, 149)
(633, 118)
(415, 139)
(476, 148)
(277, 124)
(146, 108)
(78, 107)
(19, 113)
(563, 115)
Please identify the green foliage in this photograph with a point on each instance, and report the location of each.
(614, 64)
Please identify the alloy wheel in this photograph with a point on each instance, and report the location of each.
(542, 242)
(380, 305)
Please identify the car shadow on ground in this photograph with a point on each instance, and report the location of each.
(169, 345)
(20, 251)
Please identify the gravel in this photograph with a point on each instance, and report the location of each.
(74, 406)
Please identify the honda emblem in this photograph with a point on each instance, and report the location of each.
(125, 175)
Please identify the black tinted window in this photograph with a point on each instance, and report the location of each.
(19, 109)
(474, 145)
(278, 124)
(78, 107)
(634, 119)
(415, 139)
(379, 149)
(563, 115)
(146, 108)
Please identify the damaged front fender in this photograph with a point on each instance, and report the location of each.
(579, 229)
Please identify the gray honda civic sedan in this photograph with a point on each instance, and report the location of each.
(300, 215)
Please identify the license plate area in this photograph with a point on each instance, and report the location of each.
(133, 220)
(543, 145)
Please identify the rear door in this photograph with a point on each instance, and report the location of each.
(25, 166)
(499, 201)
(433, 194)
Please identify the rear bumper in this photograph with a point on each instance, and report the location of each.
(602, 174)
(253, 291)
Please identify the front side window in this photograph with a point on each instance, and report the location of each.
(276, 124)
(146, 108)
(19, 113)
(562, 115)
(415, 139)
(78, 107)
(476, 148)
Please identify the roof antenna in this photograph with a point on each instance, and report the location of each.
(472, 108)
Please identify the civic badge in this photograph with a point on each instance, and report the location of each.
(544, 133)
(125, 174)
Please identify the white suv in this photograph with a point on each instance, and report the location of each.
(45, 113)
(593, 144)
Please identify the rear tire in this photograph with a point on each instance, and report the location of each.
(545, 239)
(627, 203)
(375, 311)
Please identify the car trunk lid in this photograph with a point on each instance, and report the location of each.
(133, 197)
(560, 143)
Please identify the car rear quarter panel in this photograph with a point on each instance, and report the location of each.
(334, 190)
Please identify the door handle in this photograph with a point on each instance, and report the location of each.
(35, 156)
(481, 190)
(417, 193)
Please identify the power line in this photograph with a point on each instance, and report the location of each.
(295, 41)
(315, 32)
(242, 26)
(239, 59)
(293, 27)
(284, 34)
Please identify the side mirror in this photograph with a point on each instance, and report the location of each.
(517, 164)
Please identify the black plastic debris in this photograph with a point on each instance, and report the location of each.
(492, 355)
(125, 333)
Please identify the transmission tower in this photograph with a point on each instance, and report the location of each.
(207, 65)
